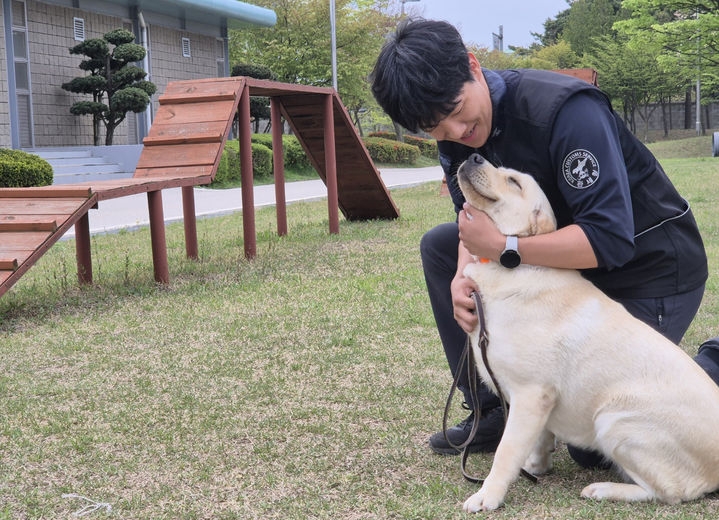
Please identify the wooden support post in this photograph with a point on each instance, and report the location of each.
(248, 194)
(331, 165)
(83, 253)
(157, 237)
(278, 166)
(190, 219)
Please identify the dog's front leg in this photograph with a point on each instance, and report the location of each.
(528, 415)
(539, 461)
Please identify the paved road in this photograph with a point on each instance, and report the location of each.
(131, 212)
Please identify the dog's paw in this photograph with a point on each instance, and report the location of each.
(538, 464)
(480, 502)
(615, 491)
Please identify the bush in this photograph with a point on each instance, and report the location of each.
(427, 147)
(391, 152)
(20, 169)
(261, 160)
(384, 135)
(229, 171)
(293, 154)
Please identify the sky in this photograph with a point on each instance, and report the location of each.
(476, 20)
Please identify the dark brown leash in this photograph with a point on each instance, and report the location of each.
(467, 361)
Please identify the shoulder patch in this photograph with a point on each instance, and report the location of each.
(580, 169)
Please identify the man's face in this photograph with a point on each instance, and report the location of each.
(470, 123)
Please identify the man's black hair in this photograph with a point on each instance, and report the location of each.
(420, 72)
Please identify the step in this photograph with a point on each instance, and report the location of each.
(82, 169)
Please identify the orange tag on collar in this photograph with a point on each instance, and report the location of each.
(484, 260)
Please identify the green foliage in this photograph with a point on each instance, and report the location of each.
(387, 151)
(427, 147)
(117, 87)
(293, 154)
(298, 47)
(20, 169)
(229, 171)
(259, 105)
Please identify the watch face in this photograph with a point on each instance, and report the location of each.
(510, 259)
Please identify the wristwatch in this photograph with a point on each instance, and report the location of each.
(510, 256)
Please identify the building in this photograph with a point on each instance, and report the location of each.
(185, 39)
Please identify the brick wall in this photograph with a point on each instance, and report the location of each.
(167, 62)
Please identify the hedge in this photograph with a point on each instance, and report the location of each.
(391, 152)
(20, 169)
(428, 147)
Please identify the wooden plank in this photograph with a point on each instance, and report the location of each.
(186, 155)
(193, 113)
(20, 225)
(148, 184)
(174, 171)
(39, 206)
(22, 241)
(18, 254)
(8, 264)
(47, 191)
(194, 91)
(201, 132)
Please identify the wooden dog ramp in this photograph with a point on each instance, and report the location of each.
(32, 220)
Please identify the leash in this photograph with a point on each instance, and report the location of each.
(467, 360)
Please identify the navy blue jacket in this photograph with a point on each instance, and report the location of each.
(596, 174)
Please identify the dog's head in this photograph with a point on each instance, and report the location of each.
(513, 200)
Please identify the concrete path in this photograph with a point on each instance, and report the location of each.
(131, 212)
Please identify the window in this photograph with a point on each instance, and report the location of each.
(78, 29)
(186, 53)
(220, 57)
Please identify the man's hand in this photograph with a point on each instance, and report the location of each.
(479, 234)
(464, 311)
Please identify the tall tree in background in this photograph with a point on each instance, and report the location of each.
(298, 48)
(590, 19)
(112, 77)
(686, 36)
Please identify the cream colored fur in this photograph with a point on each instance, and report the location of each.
(576, 366)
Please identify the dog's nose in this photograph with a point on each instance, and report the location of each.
(476, 158)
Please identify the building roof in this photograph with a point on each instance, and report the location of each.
(208, 11)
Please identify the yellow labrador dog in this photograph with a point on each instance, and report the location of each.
(575, 365)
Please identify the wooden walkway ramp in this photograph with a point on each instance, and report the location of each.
(183, 149)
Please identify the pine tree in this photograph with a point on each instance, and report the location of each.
(116, 86)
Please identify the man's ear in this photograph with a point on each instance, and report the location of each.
(474, 65)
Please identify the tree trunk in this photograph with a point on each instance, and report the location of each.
(688, 109)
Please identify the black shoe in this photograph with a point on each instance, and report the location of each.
(491, 426)
(589, 459)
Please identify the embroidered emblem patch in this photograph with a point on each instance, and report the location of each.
(580, 169)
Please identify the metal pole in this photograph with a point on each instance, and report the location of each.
(334, 43)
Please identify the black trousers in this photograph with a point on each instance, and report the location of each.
(670, 315)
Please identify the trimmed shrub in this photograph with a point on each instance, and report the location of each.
(229, 172)
(261, 160)
(293, 154)
(391, 152)
(384, 135)
(20, 169)
(427, 147)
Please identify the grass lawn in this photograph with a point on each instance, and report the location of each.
(301, 385)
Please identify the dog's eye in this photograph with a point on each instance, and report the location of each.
(514, 182)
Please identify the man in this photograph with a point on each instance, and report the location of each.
(620, 220)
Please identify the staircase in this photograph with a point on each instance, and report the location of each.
(81, 165)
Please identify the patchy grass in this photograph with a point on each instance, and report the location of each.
(303, 384)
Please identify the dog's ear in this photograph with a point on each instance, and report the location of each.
(541, 221)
